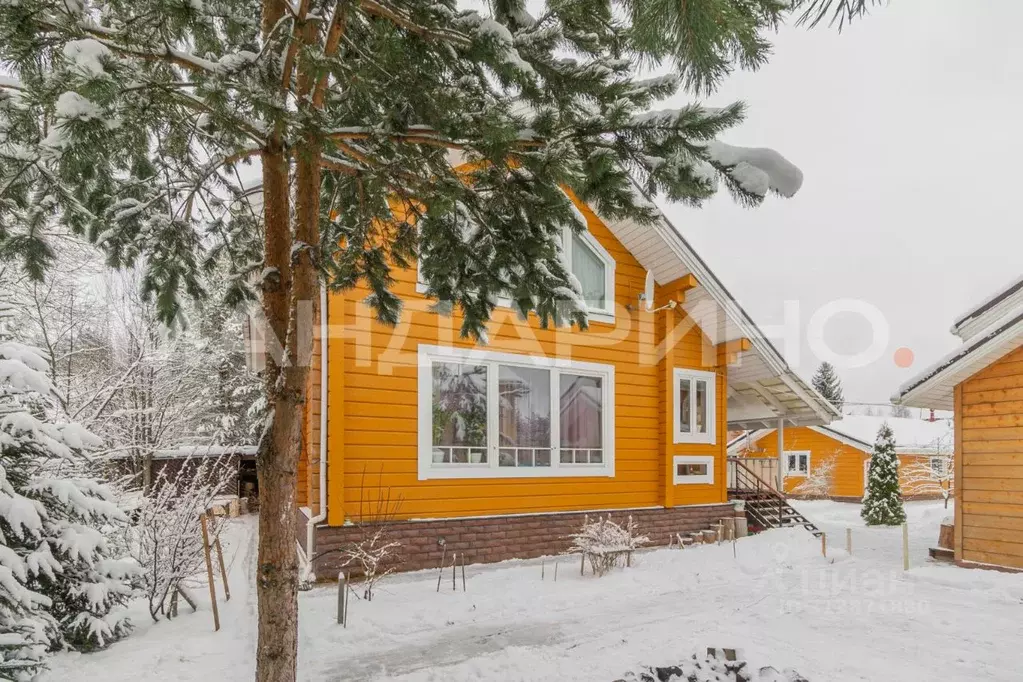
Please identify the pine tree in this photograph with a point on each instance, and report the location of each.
(827, 383)
(882, 503)
(58, 586)
(135, 122)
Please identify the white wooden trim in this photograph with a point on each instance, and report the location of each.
(429, 470)
(679, 375)
(692, 459)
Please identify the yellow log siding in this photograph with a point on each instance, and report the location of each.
(989, 416)
(849, 473)
(373, 406)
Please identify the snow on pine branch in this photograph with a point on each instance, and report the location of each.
(757, 169)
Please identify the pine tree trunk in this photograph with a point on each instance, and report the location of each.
(287, 301)
(277, 461)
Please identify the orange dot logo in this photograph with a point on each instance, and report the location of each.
(903, 357)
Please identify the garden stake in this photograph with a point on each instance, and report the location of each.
(848, 540)
(555, 571)
(463, 571)
(454, 559)
(440, 573)
(341, 597)
(905, 546)
(542, 569)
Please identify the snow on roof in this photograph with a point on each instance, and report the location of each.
(910, 434)
(984, 344)
(186, 451)
(989, 302)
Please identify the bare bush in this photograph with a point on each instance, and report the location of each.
(166, 538)
(819, 480)
(605, 542)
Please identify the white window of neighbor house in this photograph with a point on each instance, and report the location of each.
(486, 414)
(594, 268)
(693, 469)
(694, 406)
(797, 463)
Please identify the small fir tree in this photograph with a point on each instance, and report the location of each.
(58, 586)
(882, 503)
(827, 383)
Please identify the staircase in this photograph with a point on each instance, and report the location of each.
(765, 506)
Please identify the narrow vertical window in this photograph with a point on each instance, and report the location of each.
(459, 413)
(694, 406)
(581, 419)
(524, 417)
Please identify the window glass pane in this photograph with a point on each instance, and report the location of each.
(684, 406)
(701, 406)
(524, 415)
(582, 411)
(459, 413)
(692, 469)
(589, 269)
(792, 463)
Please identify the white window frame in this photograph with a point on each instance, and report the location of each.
(607, 313)
(797, 473)
(692, 459)
(428, 354)
(693, 375)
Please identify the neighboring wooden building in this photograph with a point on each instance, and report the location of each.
(982, 381)
(500, 451)
(921, 446)
(167, 464)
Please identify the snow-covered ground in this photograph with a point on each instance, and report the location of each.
(856, 617)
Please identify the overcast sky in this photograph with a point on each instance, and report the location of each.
(907, 128)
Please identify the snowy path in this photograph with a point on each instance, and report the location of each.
(853, 618)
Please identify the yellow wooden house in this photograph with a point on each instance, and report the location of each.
(982, 381)
(843, 449)
(502, 450)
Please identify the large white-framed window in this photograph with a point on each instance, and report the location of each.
(687, 469)
(486, 414)
(797, 462)
(594, 269)
(695, 406)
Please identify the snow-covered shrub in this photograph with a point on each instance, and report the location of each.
(166, 538)
(817, 484)
(59, 586)
(605, 542)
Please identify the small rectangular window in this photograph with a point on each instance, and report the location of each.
(693, 469)
(694, 401)
(797, 463)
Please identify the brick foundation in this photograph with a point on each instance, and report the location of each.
(497, 538)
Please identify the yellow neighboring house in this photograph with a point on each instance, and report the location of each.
(502, 450)
(834, 460)
(982, 381)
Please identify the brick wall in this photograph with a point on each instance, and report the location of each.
(486, 540)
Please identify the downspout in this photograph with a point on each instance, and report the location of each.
(310, 529)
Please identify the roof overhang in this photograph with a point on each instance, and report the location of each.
(762, 387)
(934, 386)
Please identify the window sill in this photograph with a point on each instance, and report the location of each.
(575, 471)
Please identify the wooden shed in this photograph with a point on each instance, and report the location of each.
(982, 381)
